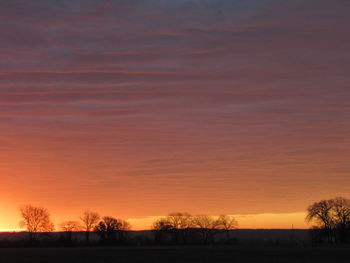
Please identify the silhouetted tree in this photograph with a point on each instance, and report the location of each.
(111, 229)
(160, 227)
(124, 226)
(333, 216)
(182, 224)
(207, 226)
(341, 217)
(227, 223)
(162, 224)
(35, 219)
(68, 227)
(320, 212)
(89, 220)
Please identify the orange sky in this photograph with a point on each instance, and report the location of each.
(137, 110)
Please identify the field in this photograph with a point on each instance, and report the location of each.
(176, 254)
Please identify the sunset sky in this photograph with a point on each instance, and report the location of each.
(135, 109)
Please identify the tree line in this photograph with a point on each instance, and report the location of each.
(330, 221)
(37, 219)
(177, 228)
(180, 228)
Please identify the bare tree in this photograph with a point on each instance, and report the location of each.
(35, 219)
(333, 217)
(111, 229)
(206, 226)
(227, 223)
(123, 228)
(89, 220)
(124, 225)
(181, 223)
(341, 210)
(160, 227)
(68, 227)
(179, 220)
(341, 217)
(320, 212)
(107, 228)
(161, 224)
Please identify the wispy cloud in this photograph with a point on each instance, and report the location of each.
(204, 106)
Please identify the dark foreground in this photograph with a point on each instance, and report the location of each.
(176, 254)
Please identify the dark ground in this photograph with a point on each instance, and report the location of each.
(191, 254)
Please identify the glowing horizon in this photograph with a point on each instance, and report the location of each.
(249, 221)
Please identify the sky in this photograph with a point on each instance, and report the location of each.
(139, 108)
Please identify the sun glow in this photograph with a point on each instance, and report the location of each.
(11, 230)
(254, 221)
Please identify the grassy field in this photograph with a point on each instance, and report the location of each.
(175, 254)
